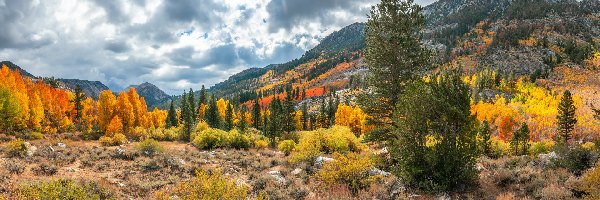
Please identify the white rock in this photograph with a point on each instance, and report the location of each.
(321, 159)
(277, 176)
(376, 171)
(296, 171)
(30, 149)
(61, 145)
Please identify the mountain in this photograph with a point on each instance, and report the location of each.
(90, 88)
(12, 67)
(152, 94)
(342, 46)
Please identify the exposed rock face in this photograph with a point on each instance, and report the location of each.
(91, 89)
(152, 94)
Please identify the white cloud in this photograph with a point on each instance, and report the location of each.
(125, 42)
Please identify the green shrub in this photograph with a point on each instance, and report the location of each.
(34, 136)
(16, 148)
(238, 140)
(105, 141)
(62, 189)
(351, 170)
(286, 146)
(149, 147)
(336, 139)
(544, 146)
(205, 186)
(576, 159)
(210, 139)
(119, 139)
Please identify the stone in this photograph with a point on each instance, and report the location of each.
(277, 176)
(61, 145)
(30, 149)
(375, 171)
(296, 171)
(321, 159)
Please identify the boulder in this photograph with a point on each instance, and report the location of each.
(321, 160)
(277, 176)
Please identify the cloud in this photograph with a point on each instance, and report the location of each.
(172, 44)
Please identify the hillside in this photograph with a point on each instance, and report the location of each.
(152, 94)
(90, 88)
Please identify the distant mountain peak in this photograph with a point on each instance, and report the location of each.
(151, 93)
(13, 66)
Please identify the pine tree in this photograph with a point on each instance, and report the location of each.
(186, 117)
(485, 134)
(229, 117)
(256, 120)
(395, 55)
(242, 124)
(192, 103)
(172, 116)
(78, 100)
(520, 140)
(288, 113)
(212, 116)
(304, 117)
(566, 117)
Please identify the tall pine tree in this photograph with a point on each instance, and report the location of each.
(242, 124)
(78, 101)
(566, 117)
(520, 140)
(395, 55)
(172, 116)
(212, 114)
(187, 117)
(304, 117)
(228, 117)
(256, 119)
(192, 103)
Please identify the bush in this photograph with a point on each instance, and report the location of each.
(119, 139)
(44, 169)
(336, 139)
(341, 139)
(238, 140)
(61, 189)
(261, 144)
(499, 148)
(16, 148)
(541, 147)
(576, 159)
(149, 147)
(590, 146)
(205, 186)
(590, 183)
(286, 146)
(351, 170)
(105, 141)
(34, 136)
(210, 139)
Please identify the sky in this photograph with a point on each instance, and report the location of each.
(175, 44)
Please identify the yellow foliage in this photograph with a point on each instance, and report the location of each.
(352, 117)
(351, 170)
(499, 147)
(590, 183)
(261, 144)
(544, 146)
(432, 141)
(205, 186)
(589, 146)
(336, 139)
(115, 126)
(286, 146)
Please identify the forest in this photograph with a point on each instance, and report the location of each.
(411, 128)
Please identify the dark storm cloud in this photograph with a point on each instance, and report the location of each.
(289, 13)
(15, 30)
(117, 46)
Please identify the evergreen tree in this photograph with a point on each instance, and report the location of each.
(596, 113)
(212, 114)
(303, 93)
(485, 134)
(305, 117)
(520, 140)
(242, 124)
(566, 117)
(439, 109)
(228, 117)
(256, 120)
(276, 121)
(172, 116)
(394, 55)
(187, 117)
(202, 101)
(78, 101)
(288, 113)
(192, 103)
(322, 116)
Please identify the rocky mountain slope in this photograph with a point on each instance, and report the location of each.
(513, 37)
(152, 94)
(90, 88)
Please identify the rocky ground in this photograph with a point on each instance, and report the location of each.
(129, 174)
